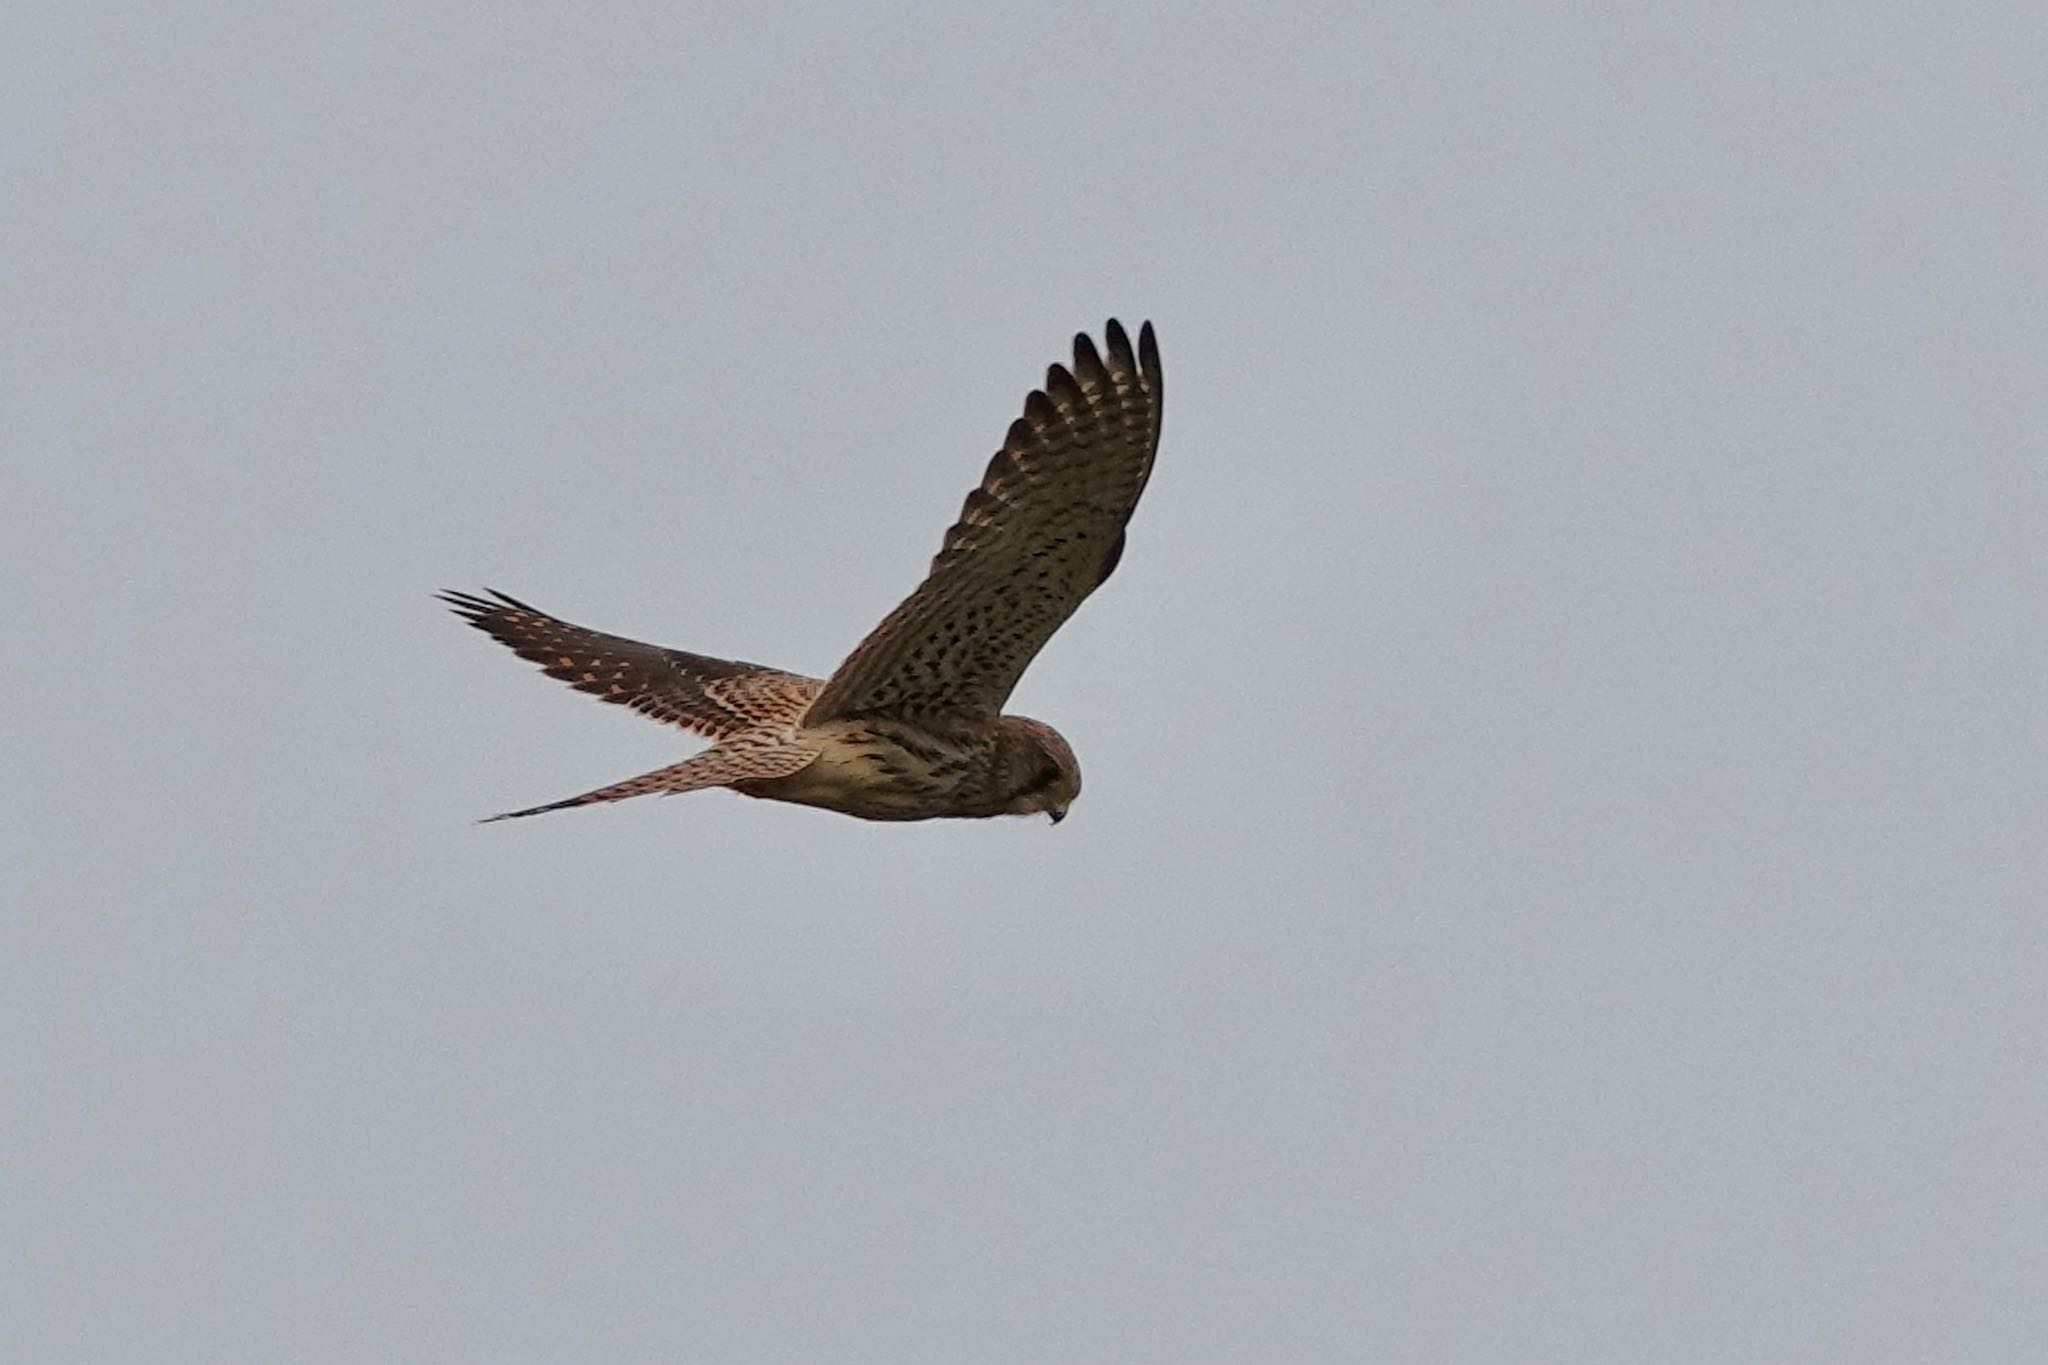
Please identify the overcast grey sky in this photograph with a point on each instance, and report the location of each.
(1561, 872)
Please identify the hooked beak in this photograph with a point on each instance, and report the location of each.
(1057, 814)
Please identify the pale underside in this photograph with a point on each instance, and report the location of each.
(910, 726)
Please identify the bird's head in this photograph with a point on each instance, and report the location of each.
(1040, 768)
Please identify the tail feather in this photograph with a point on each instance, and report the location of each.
(720, 766)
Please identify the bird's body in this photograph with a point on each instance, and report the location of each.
(880, 769)
(910, 726)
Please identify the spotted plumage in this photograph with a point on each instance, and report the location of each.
(910, 727)
(709, 697)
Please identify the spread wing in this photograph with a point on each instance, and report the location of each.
(1043, 531)
(712, 697)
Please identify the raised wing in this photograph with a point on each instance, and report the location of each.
(1043, 531)
(711, 697)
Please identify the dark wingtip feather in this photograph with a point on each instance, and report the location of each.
(1148, 351)
(476, 609)
(1062, 387)
(466, 605)
(1087, 360)
(1118, 341)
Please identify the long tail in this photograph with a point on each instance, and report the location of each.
(720, 766)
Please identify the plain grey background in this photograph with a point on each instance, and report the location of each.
(1561, 872)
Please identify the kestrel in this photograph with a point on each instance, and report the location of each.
(910, 727)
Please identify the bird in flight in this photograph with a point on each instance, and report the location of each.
(911, 726)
